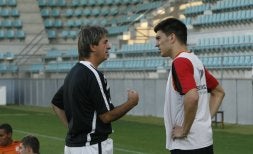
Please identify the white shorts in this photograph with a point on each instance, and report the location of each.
(106, 148)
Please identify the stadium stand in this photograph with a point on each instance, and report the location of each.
(216, 34)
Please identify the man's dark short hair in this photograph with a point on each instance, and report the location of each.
(6, 127)
(32, 142)
(173, 25)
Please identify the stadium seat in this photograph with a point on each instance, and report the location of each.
(74, 3)
(53, 54)
(58, 23)
(15, 13)
(48, 23)
(5, 12)
(10, 34)
(2, 34)
(51, 34)
(78, 12)
(9, 56)
(34, 68)
(7, 23)
(71, 54)
(69, 12)
(55, 12)
(11, 2)
(61, 3)
(45, 12)
(20, 34)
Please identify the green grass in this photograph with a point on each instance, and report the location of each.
(132, 134)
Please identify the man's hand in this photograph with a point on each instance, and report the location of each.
(177, 133)
(133, 97)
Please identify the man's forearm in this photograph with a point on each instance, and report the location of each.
(190, 109)
(61, 115)
(216, 98)
(117, 112)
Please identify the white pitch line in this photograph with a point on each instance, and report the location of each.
(61, 139)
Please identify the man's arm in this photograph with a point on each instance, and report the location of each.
(61, 115)
(190, 109)
(121, 110)
(216, 97)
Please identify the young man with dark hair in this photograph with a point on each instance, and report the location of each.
(7, 144)
(83, 103)
(29, 145)
(187, 110)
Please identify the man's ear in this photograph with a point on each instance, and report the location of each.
(92, 47)
(172, 37)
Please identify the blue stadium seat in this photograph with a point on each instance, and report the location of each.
(7, 23)
(78, 23)
(70, 54)
(3, 2)
(105, 11)
(70, 23)
(114, 10)
(58, 23)
(64, 34)
(11, 2)
(20, 34)
(42, 3)
(35, 68)
(51, 34)
(73, 34)
(61, 3)
(78, 12)
(100, 2)
(69, 12)
(86, 12)
(5, 12)
(109, 2)
(45, 12)
(9, 56)
(53, 54)
(55, 12)
(3, 68)
(15, 13)
(95, 11)
(2, 34)
(10, 34)
(75, 3)
(48, 23)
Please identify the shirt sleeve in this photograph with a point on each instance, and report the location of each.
(210, 81)
(58, 98)
(183, 75)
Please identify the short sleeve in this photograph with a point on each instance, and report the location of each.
(58, 98)
(183, 75)
(210, 81)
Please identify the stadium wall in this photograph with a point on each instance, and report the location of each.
(237, 105)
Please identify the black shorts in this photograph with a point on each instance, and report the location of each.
(206, 150)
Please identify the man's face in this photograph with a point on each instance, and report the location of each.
(4, 138)
(163, 42)
(24, 150)
(102, 49)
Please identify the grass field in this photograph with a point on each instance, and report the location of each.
(132, 135)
